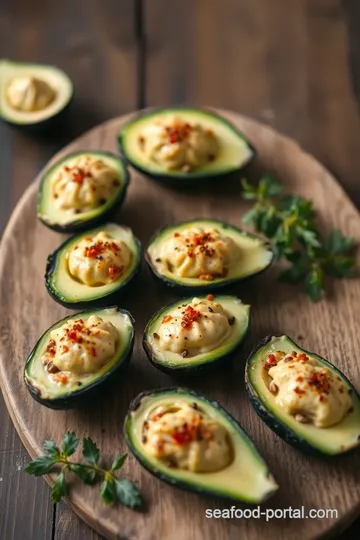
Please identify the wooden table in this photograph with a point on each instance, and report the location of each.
(293, 64)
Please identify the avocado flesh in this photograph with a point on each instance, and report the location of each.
(68, 290)
(52, 215)
(37, 378)
(55, 77)
(247, 478)
(235, 151)
(255, 254)
(332, 440)
(232, 305)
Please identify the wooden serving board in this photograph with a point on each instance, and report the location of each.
(330, 328)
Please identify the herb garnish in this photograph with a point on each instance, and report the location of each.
(289, 222)
(112, 488)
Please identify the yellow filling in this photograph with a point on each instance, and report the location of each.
(184, 436)
(195, 328)
(199, 253)
(79, 347)
(84, 183)
(309, 392)
(99, 260)
(178, 145)
(29, 94)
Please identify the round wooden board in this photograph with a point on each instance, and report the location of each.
(330, 327)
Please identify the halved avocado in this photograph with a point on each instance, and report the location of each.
(27, 79)
(235, 150)
(171, 362)
(70, 292)
(68, 222)
(255, 256)
(334, 440)
(246, 478)
(48, 393)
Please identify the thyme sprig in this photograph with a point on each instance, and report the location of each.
(112, 488)
(289, 222)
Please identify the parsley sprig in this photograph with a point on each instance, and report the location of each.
(289, 222)
(112, 488)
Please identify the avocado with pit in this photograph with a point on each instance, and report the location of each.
(193, 361)
(33, 95)
(54, 396)
(337, 439)
(253, 255)
(71, 220)
(245, 477)
(231, 153)
(70, 292)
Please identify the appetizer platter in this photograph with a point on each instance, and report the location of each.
(150, 318)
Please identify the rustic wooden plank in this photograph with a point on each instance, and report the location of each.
(281, 62)
(323, 484)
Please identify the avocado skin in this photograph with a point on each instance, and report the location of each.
(104, 216)
(135, 403)
(188, 369)
(186, 180)
(47, 126)
(279, 427)
(107, 300)
(180, 288)
(71, 401)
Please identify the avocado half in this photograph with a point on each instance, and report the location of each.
(256, 256)
(70, 292)
(171, 362)
(334, 440)
(57, 79)
(235, 152)
(62, 221)
(48, 393)
(246, 479)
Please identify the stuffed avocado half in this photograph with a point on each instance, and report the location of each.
(196, 333)
(192, 443)
(304, 398)
(81, 190)
(206, 254)
(94, 267)
(32, 94)
(77, 355)
(183, 144)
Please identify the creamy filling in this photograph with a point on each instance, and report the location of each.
(183, 436)
(199, 253)
(98, 260)
(83, 184)
(308, 391)
(29, 94)
(178, 145)
(78, 349)
(194, 328)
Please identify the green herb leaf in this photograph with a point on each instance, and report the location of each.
(88, 476)
(69, 443)
(41, 465)
(118, 462)
(249, 192)
(90, 451)
(268, 186)
(128, 493)
(51, 449)
(59, 489)
(337, 243)
(107, 491)
(314, 284)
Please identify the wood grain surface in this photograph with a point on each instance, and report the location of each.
(292, 64)
(329, 327)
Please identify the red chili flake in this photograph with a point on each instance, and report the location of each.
(94, 250)
(93, 351)
(176, 235)
(191, 315)
(184, 434)
(65, 348)
(319, 382)
(210, 297)
(51, 348)
(167, 318)
(303, 356)
(114, 271)
(299, 391)
(321, 398)
(271, 361)
(299, 379)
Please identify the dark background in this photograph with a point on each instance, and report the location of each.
(294, 64)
